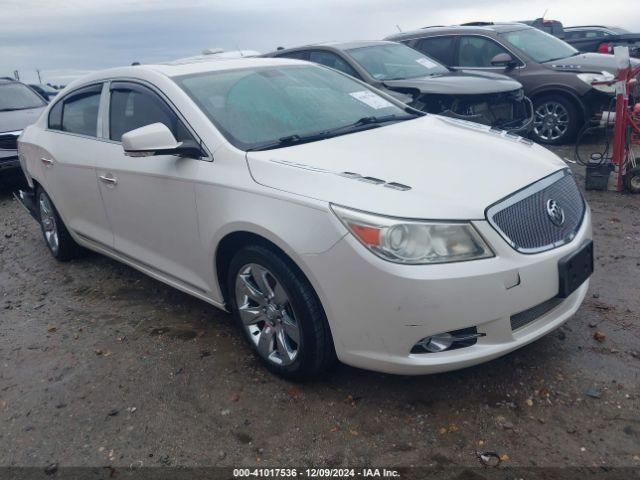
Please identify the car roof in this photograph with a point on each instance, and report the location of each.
(335, 45)
(479, 27)
(589, 26)
(190, 66)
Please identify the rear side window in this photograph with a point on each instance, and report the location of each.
(133, 106)
(332, 60)
(79, 112)
(440, 48)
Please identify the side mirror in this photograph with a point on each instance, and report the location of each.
(157, 139)
(503, 60)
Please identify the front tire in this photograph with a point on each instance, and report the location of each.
(555, 120)
(56, 236)
(279, 313)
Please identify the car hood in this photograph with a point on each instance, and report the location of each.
(458, 83)
(18, 119)
(588, 62)
(454, 169)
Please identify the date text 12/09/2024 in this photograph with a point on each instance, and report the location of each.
(315, 473)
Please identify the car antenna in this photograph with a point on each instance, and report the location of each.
(398, 27)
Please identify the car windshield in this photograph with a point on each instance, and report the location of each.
(268, 107)
(16, 96)
(618, 30)
(395, 62)
(539, 45)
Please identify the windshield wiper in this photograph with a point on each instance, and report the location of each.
(13, 109)
(364, 123)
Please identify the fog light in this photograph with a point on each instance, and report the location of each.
(447, 341)
(437, 343)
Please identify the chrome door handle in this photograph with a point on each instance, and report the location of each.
(108, 180)
(47, 162)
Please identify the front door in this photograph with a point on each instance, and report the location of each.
(151, 200)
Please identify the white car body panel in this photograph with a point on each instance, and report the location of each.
(443, 174)
(166, 217)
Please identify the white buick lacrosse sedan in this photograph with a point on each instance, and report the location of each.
(333, 221)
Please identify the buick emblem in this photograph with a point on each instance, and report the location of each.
(555, 212)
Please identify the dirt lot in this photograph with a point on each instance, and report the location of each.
(101, 365)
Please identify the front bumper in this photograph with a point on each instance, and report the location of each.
(595, 102)
(378, 310)
(9, 160)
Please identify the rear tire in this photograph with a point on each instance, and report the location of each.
(556, 120)
(56, 236)
(279, 313)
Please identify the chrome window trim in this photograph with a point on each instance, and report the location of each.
(526, 192)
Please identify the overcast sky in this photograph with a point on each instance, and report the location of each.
(66, 37)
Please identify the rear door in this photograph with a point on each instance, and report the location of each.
(150, 200)
(71, 150)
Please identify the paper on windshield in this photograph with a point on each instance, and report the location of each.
(371, 99)
(425, 62)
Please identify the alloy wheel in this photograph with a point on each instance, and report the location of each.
(49, 224)
(267, 315)
(551, 121)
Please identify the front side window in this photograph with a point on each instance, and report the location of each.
(395, 61)
(255, 107)
(16, 96)
(333, 61)
(440, 48)
(477, 52)
(134, 106)
(540, 46)
(80, 113)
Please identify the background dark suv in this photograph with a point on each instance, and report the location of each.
(555, 75)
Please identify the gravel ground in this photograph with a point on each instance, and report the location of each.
(101, 365)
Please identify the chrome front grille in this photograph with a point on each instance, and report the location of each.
(524, 221)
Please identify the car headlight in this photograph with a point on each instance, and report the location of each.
(412, 241)
(589, 78)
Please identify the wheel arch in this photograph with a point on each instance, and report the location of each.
(563, 92)
(233, 240)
